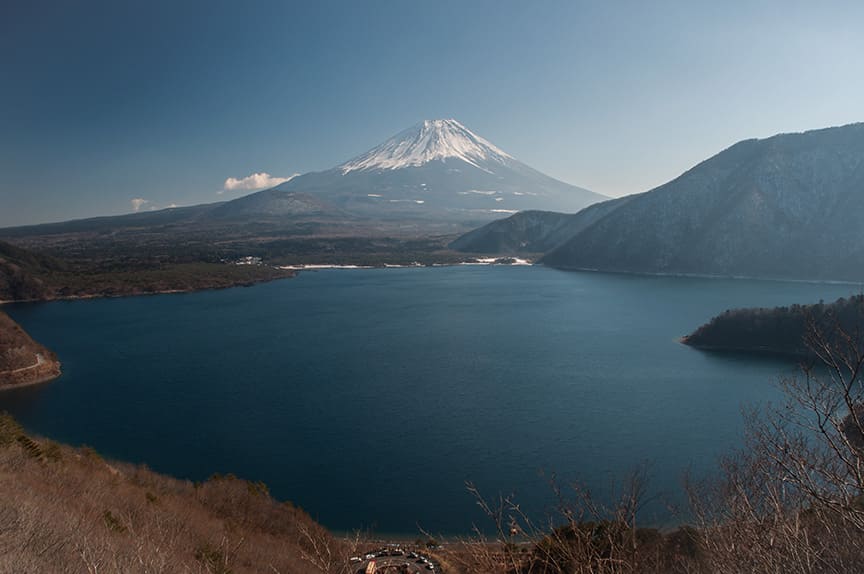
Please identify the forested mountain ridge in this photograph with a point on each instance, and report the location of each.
(788, 206)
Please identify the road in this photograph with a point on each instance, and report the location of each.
(40, 360)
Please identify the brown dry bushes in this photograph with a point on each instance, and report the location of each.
(66, 510)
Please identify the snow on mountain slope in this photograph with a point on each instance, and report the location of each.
(429, 141)
(438, 170)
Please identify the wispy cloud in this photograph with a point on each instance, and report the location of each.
(138, 203)
(260, 180)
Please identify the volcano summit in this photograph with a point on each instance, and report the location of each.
(438, 170)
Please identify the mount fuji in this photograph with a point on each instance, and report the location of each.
(437, 170)
(436, 177)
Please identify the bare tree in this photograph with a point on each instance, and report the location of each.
(791, 501)
(582, 536)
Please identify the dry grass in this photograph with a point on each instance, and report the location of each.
(584, 536)
(66, 510)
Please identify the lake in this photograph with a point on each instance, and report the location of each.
(369, 397)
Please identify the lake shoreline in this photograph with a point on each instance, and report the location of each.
(294, 271)
(25, 362)
(90, 296)
(750, 351)
(702, 275)
(34, 382)
(499, 261)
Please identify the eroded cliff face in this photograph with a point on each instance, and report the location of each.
(23, 361)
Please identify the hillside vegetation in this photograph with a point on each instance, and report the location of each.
(24, 274)
(28, 275)
(788, 501)
(66, 510)
(781, 330)
(532, 231)
(788, 206)
(23, 361)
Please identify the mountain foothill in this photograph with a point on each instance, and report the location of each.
(785, 207)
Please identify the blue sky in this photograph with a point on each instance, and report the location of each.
(111, 101)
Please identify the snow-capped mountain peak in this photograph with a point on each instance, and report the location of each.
(428, 141)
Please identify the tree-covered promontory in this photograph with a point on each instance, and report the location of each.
(782, 330)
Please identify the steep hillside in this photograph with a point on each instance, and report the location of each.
(67, 510)
(23, 273)
(532, 231)
(23, 361)
(789, 206)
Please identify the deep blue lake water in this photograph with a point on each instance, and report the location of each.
(369, 397)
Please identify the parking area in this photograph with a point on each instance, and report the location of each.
(393, 561)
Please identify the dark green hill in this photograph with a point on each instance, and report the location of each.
(782, 330)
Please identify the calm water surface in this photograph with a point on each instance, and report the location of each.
(369, 397)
